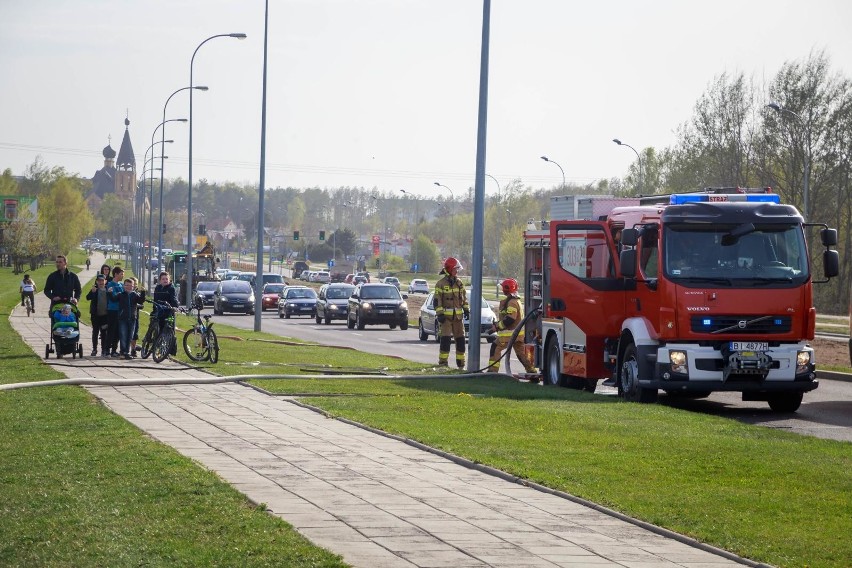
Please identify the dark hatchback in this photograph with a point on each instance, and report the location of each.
(297, 301)
(206, 291)
(333, 302)
(233, 296)
(377, 303)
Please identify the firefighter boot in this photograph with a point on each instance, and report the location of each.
(460, 358)
(444, 351)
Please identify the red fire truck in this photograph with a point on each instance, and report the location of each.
(689, 293)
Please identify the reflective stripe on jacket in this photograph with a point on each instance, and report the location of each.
(450, 298)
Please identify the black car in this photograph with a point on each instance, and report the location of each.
(333, 302)
(377, 304)
(206, 291)
(297, 301)
(233, 296)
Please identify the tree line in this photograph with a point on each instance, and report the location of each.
(733, 138)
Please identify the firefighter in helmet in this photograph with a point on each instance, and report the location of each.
(510, 315)
(451, 307)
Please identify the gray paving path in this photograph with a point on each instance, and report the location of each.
(377, 501)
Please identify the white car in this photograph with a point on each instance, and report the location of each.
(321, 276)
(428, 322)
(393, 280)
(418, 286)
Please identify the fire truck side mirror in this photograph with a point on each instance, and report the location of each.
(829, 237)
(629, 237)
(830, 263)
(627, 260)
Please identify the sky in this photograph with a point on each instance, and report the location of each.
(384, 94)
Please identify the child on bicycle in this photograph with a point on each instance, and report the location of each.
(166, 293)
(28, 290)
(135, 335)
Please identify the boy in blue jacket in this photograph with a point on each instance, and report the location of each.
(127, 301)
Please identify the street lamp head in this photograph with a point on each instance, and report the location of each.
(238, 36)
(775, 106)
(438, 184)
(545, 158)
(617, 141)
(202, 88)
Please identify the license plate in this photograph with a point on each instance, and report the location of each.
(749, 346)
(305, 308)
(237, 306)
(385, 311)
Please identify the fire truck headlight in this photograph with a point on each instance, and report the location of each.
(803, 359)
(678, 362)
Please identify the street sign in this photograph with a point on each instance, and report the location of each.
(331, 263)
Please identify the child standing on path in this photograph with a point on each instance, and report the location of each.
(128, 299)
(115, 287)
(98, 300)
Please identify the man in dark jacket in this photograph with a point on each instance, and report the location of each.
(62, 285)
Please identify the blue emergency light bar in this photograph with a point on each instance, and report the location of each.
(681, 198)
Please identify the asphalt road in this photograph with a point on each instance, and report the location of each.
(825, 412)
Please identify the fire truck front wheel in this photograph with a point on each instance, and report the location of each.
(628, 379)
(552, 371)
(785, 402)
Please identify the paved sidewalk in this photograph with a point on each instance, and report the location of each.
(377, 501)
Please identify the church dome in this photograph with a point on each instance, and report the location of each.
(109, 153)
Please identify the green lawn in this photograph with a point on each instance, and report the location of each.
(768, 495)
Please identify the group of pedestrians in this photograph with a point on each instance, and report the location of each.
(114, 304)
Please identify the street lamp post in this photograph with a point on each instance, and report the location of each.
(806, 163)
(151, 199)
(498, 233)
(546, 159)
(189, 190)
(416, 227)
(452, 216)
(162, 174)
(638, 159)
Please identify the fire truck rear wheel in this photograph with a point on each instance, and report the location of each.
(785, 402)
(628, 378)
(552, 372)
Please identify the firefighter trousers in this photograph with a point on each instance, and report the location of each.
(452, 328)
(500, 344)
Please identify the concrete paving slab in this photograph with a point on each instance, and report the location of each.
(375, 500)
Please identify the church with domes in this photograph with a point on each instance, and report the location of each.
(117, 176)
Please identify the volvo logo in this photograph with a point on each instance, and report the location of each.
(742, 324)
(697, 309)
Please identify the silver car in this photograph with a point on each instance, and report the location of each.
(428, 324)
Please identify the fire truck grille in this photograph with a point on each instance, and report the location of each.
(739, 325)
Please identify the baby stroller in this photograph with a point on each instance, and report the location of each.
(64, 335)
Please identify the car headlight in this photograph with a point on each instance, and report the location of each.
(404, 306)
(803, 360)
(251, 299)
(678, 362)
(332, 307)
(366, 305)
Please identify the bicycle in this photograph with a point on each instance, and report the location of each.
(150, 339)
(165, 342)
(199, 341)
(28, 302)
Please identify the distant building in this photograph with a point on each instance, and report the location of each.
(117, 176)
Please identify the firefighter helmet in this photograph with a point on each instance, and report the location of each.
(510, 286)
(451, 264)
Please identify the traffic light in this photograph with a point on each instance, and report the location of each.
(295, 235)
(202, 229)
(164, 228)
(322, 235)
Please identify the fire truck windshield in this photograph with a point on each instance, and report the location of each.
(768, 254)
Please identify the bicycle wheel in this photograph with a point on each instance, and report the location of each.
(29, 307)
(148, 341)
(194, 344)
(163, 345)
(213, 345)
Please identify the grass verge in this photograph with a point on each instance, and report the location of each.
(80, 486)
(767, 495)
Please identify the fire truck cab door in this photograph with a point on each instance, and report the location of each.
(584, 283)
